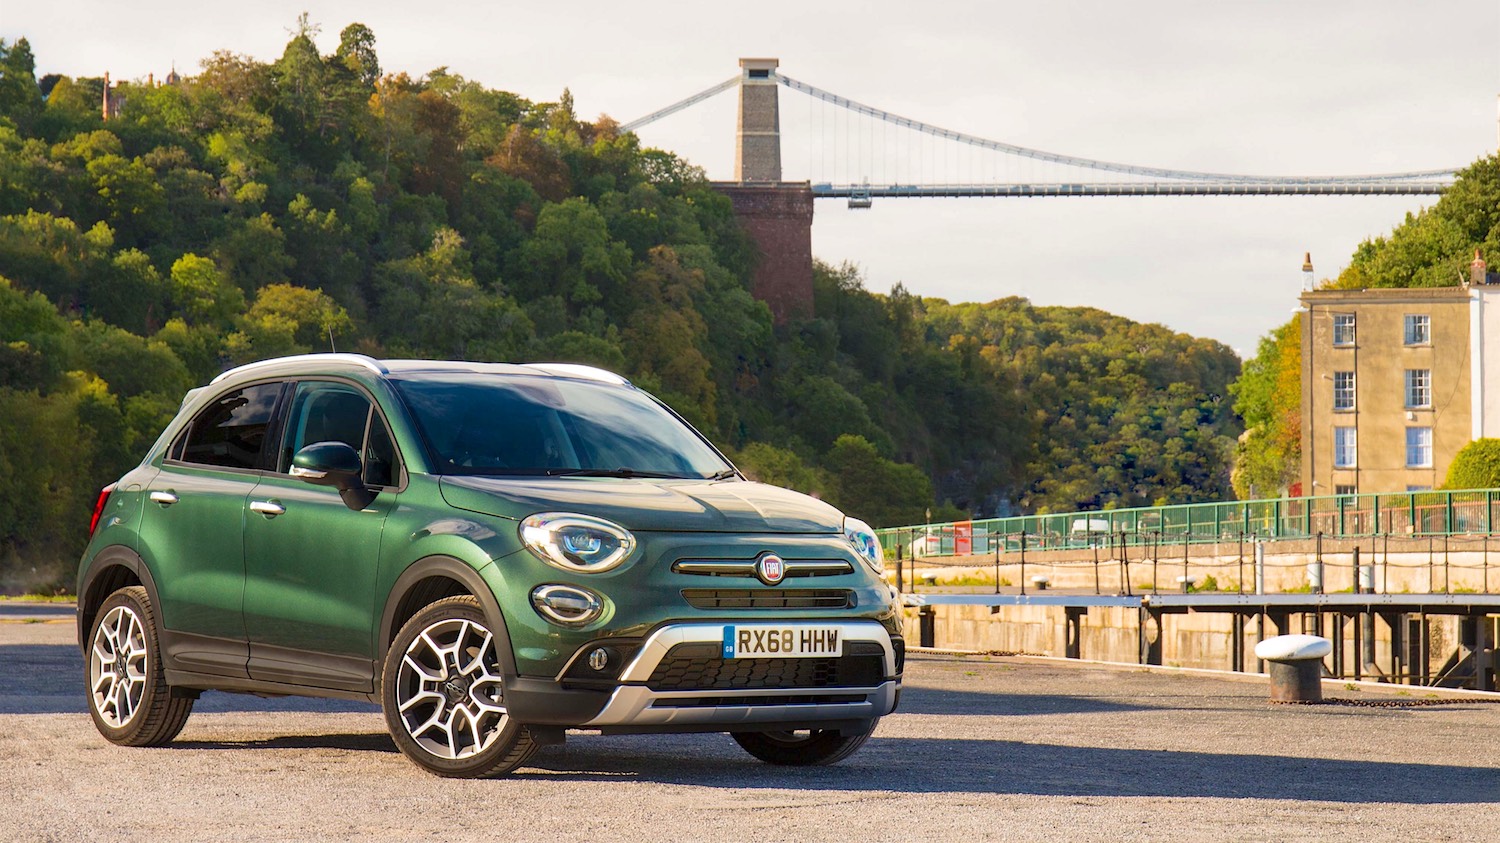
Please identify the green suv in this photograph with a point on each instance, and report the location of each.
(493, 553)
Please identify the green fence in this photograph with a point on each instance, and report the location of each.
(1470, 512)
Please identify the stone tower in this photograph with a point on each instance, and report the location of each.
(757, 151)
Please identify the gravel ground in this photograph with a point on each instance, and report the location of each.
(982, 749)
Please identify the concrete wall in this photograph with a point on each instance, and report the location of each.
(1194, 639)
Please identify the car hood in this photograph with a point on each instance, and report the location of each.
(700, 506)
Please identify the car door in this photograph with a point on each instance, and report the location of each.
(191, 530)
(310, 561)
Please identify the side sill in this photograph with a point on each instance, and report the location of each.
(208, 682)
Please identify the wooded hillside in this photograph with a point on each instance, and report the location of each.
(255, 209)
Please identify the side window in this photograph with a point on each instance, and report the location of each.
(231, 431)
(335, 412)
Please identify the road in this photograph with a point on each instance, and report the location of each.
(982, 749)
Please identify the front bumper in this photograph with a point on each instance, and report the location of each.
(676, 682)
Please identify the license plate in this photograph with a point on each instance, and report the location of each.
(774, 642)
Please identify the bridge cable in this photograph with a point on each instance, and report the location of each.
(1056, 158)
(675, 107)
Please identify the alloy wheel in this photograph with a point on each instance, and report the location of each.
(117, 667)
(448, 689)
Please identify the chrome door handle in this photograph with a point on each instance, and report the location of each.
(163, 498)
(270, 509)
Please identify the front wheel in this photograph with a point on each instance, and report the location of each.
(443, 697)
(804, 748)
(129, 698)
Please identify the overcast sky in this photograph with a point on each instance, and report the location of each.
(1279, 88)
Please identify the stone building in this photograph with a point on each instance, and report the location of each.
(1396, 381)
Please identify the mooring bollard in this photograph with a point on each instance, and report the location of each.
(1296, 668)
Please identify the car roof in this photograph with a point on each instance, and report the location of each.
(302, 364)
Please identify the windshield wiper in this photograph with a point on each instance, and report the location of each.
(610, 472)
(726, 474)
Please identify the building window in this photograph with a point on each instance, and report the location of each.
(1418, 329)
(1343, 329)
(1419, 447)
(1345, 447)
(1341, 489)
(1410, 488)
(1343, 390)
(1418, 388)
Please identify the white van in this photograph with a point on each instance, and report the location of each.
(1089, 532)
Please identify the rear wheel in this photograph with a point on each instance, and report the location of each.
(129, 698)
(806, 747)
(443, 698)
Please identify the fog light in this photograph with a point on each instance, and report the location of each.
(599, 659)
(566, 605)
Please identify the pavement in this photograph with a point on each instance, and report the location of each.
(983, 748)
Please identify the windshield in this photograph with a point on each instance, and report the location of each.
(521, 424)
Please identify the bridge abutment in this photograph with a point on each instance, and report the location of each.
(778, 217)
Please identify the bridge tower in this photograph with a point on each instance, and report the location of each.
(757, 151)
(776, 214)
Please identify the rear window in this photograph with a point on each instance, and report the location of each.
(231, 431)
(525, 425)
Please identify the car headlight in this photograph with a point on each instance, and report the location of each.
(862, 536)
(577, 542)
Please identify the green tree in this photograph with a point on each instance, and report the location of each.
(1476, 466)
(20, 98)
(868, 486)
(201, 292)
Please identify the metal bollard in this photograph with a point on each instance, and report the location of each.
(1296, 666)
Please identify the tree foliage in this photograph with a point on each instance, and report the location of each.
(1476, 466)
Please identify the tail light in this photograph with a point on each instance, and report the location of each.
(99, 508)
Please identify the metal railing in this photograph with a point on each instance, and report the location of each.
(1436, 513)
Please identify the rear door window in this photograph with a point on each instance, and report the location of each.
(231, 431)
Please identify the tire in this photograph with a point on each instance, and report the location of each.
(443, 697)
(807, 748)
(129, 699)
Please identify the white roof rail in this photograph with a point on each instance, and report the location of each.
(356, 359)
(578, 370)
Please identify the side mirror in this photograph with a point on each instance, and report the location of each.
(333, 464)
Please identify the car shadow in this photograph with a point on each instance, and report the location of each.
(967, 765)
(917, 699)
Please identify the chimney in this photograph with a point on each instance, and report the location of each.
(1477, 274)
(104, 109)
(1307, 272)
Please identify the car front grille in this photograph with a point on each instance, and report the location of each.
(746, 567)
(696, 667)
(769, 598)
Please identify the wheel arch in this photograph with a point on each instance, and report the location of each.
(111, 569)
(433, 578)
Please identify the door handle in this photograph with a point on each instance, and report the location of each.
(164, 498)
(270, 509)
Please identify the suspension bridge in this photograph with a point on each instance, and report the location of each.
(860, 153)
